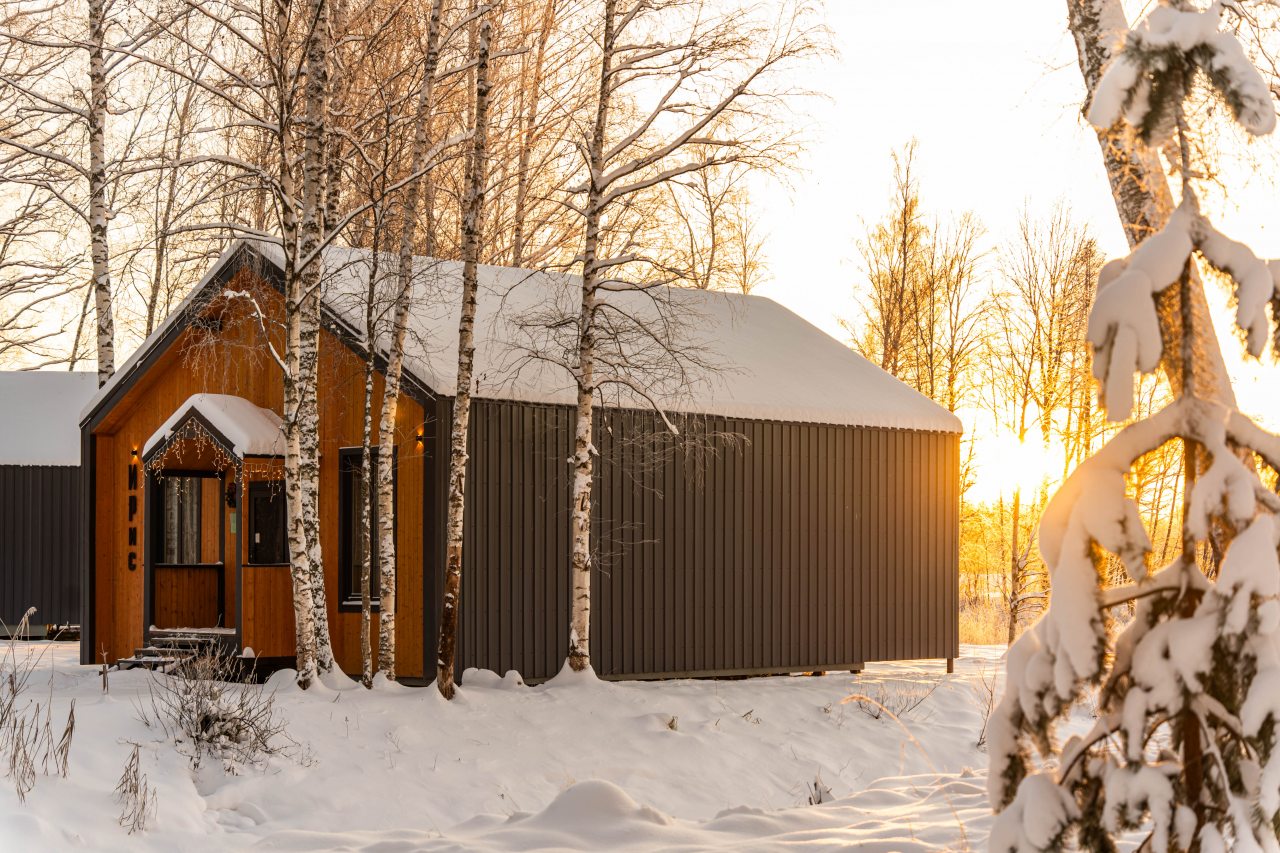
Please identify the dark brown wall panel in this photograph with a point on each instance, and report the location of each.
(39, 544)
(785, 547)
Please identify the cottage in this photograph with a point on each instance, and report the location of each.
(819, 532)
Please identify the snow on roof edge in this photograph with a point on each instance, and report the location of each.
(251, 429)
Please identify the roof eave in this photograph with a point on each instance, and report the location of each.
(241, 254)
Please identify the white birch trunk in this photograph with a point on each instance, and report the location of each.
(471, 236)
(395, 360)
(366, 468)
(311, 235)
(99, 250)
(299, 565)
(583, 450)
(366, 541)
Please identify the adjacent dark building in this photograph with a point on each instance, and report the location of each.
(40, 496)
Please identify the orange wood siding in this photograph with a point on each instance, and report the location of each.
(210, 520)
(268, 610)
(232, 360)
(186, 597)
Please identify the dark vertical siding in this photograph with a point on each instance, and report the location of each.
(778, 547)
(39, 543)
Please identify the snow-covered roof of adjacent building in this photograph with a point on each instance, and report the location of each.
(38, 416)
(251, 430)
(760, 360)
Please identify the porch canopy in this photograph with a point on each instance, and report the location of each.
(239, 427)
(195, 462)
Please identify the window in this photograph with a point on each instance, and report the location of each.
(350, 542)
(265, 528)
(179, 530)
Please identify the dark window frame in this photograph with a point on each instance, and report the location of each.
(348, 470)
(157, 538)
(275, 490)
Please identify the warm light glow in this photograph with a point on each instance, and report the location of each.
(1005, 465)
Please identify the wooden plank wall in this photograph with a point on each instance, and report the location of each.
(39, 543)
(230, 360)
(342, 420)
(186, 597)
(787, 547)
(268, 626)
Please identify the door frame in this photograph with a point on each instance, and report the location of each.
(150, 506)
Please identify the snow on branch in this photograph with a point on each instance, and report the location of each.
(1161, 665)
(1124, 326)
(1139, 87)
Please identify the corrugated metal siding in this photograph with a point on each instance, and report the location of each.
(39, 543)
(783, 547)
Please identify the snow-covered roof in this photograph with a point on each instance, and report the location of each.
(38, 423)
(252, 430)
(769, 363)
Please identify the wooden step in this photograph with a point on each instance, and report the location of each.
(194, 632)
(148, 661)
(154, 650)
(187, 643)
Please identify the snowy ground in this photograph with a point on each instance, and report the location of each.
(569, 765)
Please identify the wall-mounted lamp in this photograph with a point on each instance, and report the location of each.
(134, 453)
(420, 436)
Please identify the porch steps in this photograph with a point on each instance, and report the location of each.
(170, 647)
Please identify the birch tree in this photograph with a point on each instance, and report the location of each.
(708, 78)
(32, 276)
(420, 160)
(921, 301)
(536, 66)
(710, 231)
(893, 254)
(56, 136)
(471, 234)
(377, 155)
(365, 494)
(306, 306)
(1040, 313)
(267, 74)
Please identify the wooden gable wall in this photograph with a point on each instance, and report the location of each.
(222, 352)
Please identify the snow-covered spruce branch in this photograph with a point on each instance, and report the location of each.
(1164, 665)
(1140, 88)
(1124, 327)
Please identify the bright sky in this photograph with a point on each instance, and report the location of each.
(994, 99)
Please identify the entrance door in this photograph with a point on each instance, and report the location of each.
(186, 550)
